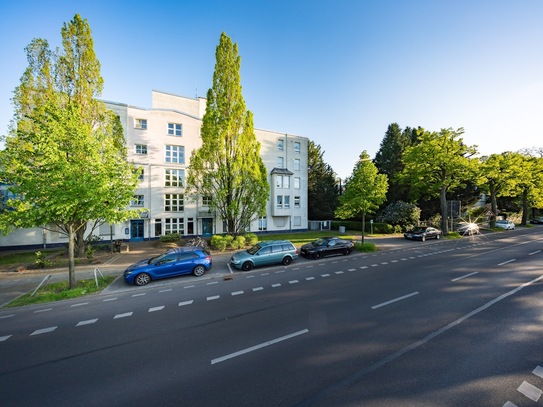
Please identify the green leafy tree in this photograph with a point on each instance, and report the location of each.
(65, 157)
(501, 174)
(228, 166)
(365, 190)
(438, 164)
(322, 186)
(530, 185)
(405, 214)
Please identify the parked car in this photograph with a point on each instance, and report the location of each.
(537, 220)
(265, 253)
(327, 246)
(423, 233)
(174, 262)
(505, 224)
(468, 228)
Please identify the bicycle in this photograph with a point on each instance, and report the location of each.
(197, 242)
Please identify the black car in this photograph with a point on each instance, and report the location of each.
(537, 220)
(423, 233)
(326, 246)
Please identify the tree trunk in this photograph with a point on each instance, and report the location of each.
(443, 200)
(79, 248)
(525, 207)
(363, 225)
(71, 259)
(493, 205)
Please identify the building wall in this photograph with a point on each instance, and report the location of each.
(284, 155)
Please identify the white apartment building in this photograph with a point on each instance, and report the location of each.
(160, 141)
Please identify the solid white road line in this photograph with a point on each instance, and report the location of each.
(394, 300)
(260, 346)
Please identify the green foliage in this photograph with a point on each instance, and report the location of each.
(322, 185)
(220, 242)
(438, 164)
(238, 242)
(251, 239)
(170, 238)
(65, 153)
(406, 215)
(90, 252)
(41, 260)
(228, 165)
(365, 247)
(62, 291)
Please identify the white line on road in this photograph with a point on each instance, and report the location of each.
(258, 289)
(166, 290)
(3, 338)
(260, 346)
(532, 253)
(237, 293)
(44, 330)
(530, 391)
(79, 304)
(467, 275)
(538, 371)
(394, 300)
(276, 285)
(160, 308)
(139, 295)
(126, 314)
(506, 262)
(87, 322)
(43, 310)
(186, 303)
(7, 316)
(214, 297)
(110, 299)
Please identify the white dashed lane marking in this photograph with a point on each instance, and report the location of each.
(87, 322)
(44, 330)
(126, 314)
(153, 309)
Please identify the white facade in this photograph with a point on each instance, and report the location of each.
(160, 141)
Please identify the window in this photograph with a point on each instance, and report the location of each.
(286, 182)
(206, 200)
(141, 149)
(296, 201)
(174, 177)
(297, 164)
(296, 182)
(141, 124)
(297, 220)
(173, 225)
(297, 147)
(280, 201)
(174, 154)
(279, 162)
(175, 129)
(106, 229)
(173, 202)
(158, 227)
(138, 200)
(279, 181)
(286, 203)
(263, 223)
(141, 172)
(280, 145)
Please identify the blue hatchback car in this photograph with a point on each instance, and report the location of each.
(175, 262)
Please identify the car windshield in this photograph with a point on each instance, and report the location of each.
(419, 230)
(254, 249)
(319, 242)
(153, 260)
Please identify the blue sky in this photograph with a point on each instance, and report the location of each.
(337, 72)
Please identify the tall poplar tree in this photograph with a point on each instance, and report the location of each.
(65, 157)
(228, 167)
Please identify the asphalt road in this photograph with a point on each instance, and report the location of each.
(443, 323)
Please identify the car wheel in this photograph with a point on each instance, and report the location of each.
(346, 252)
(317, 255)
(142, 279)
(423, 238)
(247, 266)
(287, 260)
(199, 270)
(438, 236)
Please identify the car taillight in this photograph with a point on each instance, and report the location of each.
(296, 251)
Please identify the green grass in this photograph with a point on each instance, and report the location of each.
(60, 291)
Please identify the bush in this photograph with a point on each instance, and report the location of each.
(238, 242)
(365, 247)
(41, 261)
(251, 239)
(170, 238)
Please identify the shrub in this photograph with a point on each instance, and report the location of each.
(170, 238)
(238, 242)
(41, 261)
(251, 239)
(365, 247)
(219, 242)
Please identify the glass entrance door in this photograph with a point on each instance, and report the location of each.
(136, 230)
(207, 226)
